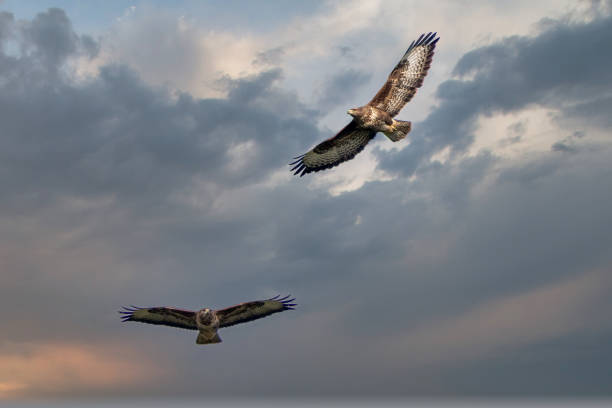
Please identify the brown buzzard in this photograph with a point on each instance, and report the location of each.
(207, 321)
(377, 115)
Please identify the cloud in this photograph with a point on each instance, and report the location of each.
(341, 88)
(115, 134)
(511, 321)
(171, 50)
(562, 147)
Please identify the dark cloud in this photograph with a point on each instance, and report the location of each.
(272, 56)
(569, 144)
(562, 147)
(596, 110)
(50, 36)
(115, 192)
(515, 132)
(341, 88)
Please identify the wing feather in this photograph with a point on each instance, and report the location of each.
(167, 316)
(245, 312)
(342, 147)
(407, 75)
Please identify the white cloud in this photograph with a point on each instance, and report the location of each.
(495, 133)
(171, 50)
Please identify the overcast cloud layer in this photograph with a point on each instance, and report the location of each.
(443, 268)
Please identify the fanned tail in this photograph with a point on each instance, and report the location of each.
(402, 128)
(208, 338)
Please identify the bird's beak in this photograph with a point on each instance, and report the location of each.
(350, 112)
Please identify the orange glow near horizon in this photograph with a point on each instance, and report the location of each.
(61, 369)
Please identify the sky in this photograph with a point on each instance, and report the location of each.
(143, 160)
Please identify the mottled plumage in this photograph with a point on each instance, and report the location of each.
(377, 115)
(207, 321)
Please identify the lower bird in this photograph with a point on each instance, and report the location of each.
(208, 321)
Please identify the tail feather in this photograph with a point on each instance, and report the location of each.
(402, 128)
(207, 338)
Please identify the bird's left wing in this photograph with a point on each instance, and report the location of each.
(245, 312)
(342, 147)
(167, 316)
(407, 76)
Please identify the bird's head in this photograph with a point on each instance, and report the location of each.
(205, 316)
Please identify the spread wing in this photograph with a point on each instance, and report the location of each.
(245, 312)
(407, 75)
(185, 319)
(342, 147)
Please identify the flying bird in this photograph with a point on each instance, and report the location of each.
(377, 115)
(208, 321)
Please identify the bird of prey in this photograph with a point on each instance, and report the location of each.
(208, 321)
(377, 115)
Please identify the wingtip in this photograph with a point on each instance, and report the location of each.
(287, 301)
(127, 312)
(300, 169)
(425, 39)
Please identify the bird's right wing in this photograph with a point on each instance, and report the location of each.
(342, 147)
(167, 316)
(245, 312)
(407, 76)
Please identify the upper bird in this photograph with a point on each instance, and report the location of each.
(377, 115)
(208, 321)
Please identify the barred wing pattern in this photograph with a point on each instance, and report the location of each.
(407, 75)
(167, 316)
(245, 312)
(342, 147)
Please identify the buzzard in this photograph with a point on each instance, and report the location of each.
(208, 321)
(377, 115)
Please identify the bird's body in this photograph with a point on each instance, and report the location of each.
(377, 115)
(372, 118)
(208, 321)
(377, 120)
